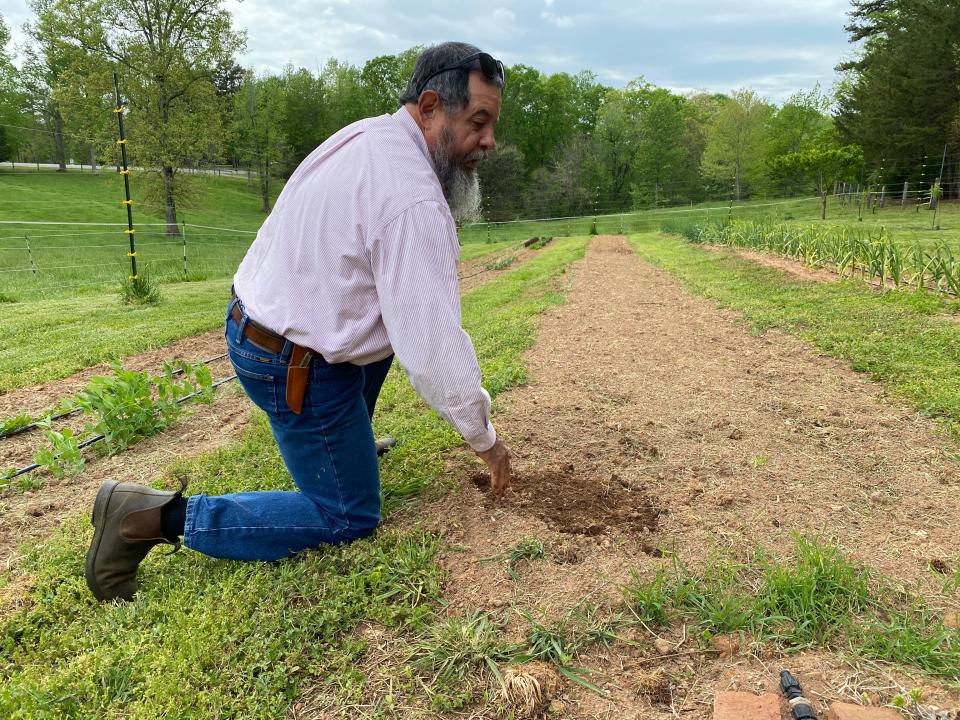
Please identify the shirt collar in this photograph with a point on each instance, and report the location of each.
(407, 122)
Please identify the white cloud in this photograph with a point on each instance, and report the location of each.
(548, 3)
(561, 21)
(502, 15)
(758, 54)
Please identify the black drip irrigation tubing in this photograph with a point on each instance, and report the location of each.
(34, 425)
(98, 438)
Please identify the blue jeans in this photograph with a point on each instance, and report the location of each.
(328, 449)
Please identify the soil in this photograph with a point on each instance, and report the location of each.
(720, 440)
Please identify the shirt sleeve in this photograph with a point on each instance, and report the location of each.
(414, 259)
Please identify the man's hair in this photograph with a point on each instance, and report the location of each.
(452, 86)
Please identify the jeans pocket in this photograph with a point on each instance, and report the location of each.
(257, 380)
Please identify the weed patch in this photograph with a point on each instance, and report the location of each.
(817, 597)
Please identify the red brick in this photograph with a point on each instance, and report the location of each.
(746, 706)
(846, 711)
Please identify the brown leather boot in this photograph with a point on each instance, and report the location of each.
(126, 521)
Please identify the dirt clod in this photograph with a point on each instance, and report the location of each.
(576, 503)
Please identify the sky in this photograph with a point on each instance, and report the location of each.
(775, 48)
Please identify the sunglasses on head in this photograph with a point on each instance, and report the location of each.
(489, 66)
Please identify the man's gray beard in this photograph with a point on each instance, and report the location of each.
(461, 186)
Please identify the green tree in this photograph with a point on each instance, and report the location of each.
(572, 185)
(501, 181)
(385, 78)
(820, 167)
(345, 97)
(617, 136)
(167, 55)
(259, 128)
(9, 100)
(737, 141)
(901, 98)
(304, 113)
(799, 128)
(660, 162)
(542, 112)
(640, 134)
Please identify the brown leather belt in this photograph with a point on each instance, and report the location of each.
(298, 367)
(267, 339)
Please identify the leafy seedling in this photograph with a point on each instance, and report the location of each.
(63, 458)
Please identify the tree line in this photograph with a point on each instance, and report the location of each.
(567, 144)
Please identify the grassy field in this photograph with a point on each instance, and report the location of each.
(49, 261)
(74, 259)
(48, 339)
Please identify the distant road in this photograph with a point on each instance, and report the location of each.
(226, 171)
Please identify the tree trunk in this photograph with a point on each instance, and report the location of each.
(265, 186)
(172, 227)
(94, 170)
(59, 144)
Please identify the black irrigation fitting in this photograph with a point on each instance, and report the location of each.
(68, 413)
(98, 438)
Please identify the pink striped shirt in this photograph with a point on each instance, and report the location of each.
(359, 259)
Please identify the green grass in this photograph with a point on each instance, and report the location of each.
(815, 598)
(49, 339)
(906, 340)
(72, 260)
(907, 225)
(207, 638)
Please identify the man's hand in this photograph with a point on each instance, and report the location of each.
(497, 459)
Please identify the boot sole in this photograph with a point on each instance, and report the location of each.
(97, 520)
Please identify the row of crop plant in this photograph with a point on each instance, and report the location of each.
(849, 250)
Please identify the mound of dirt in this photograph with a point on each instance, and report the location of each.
(579, 503)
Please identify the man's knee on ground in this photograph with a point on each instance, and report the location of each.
(360, 529)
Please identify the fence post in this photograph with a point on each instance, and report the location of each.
(33, 265)
(122, 142)
(935, 194)
(823, 206)
(883, 196)
(903, 198)
(183, 234)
